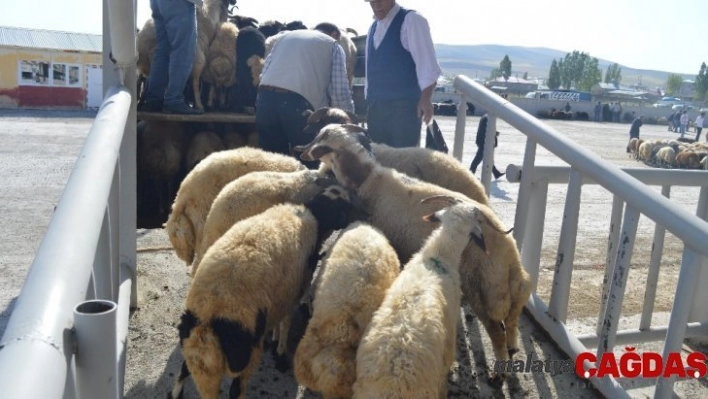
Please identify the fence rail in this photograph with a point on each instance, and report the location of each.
(632, 198)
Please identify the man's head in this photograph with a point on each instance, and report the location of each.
(381, 7)
(329, 29)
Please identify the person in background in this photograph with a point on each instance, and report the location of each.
(683, 120)
(481, 138)
(670, 121)
(598, 112)
(401, 73)
(176, 34)
(567, 107)
(699, 125)
(634, 129)
(305, 70)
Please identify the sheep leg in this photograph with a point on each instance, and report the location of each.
(239, 384)
(281, 358)
(208, 384)
(520, 293)
(196, 75)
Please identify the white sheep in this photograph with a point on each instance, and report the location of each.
(351, 284)
(249, 281)
(666, 155)
(494, 282)
(409, 346)
(199, 188)
(252, 194)
(221, 63)
(424, 164)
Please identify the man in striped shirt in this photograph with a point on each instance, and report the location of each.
(305, 70)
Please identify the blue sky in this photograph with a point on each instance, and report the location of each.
(648, 34)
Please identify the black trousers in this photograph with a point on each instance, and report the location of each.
(478, 159)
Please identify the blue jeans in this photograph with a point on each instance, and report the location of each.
(280, 122)
(395, 123)
(176, 31)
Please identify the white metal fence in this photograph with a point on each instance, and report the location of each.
(630, 192)
(67, 334)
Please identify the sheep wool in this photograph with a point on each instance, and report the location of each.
(231, 304)
(199, 188)
(359, 268)
(250, 195)
(409, 346)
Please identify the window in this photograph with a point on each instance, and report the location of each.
(37, 73)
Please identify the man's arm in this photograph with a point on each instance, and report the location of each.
(339, 93)
(416, 38)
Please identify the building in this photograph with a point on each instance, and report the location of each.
(512, 85)
(42, 68)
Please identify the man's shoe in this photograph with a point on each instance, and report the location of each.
(150, 106)
(499, 175)
(181, 109)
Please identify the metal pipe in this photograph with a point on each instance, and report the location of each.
(102, 262)
(685, 289)
(96, 372)
(661, 210)
(619, 281)
(572, 347)
(123, 320)
(35, 337)
(558, 305)
(651, 334)
(124, 50)
(657, 250)
(699, 310)
(529, 177)
(531, 251)
(460, 122)
(611, 257)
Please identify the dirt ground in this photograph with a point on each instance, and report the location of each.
(39, 156)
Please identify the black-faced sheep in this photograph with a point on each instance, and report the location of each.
(421, 163)
(252, 194)
(493, 281)
(409, 346)
(231, 302)
(242, 21)
(202, 185)
(356, 273)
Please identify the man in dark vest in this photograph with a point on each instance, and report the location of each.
(401, 73)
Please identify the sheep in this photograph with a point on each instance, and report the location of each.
(220, 62)
(350, 53)
(493, 282)
(211, 13)
(201, 146)
(667, 156)
(199, 188)
(645, 151)
(424, 164)
(252, 194)
(271, 28)
(242, 21)
(231, 302)
(250, 51)
(688, 159)
(409, 346)
(632, 145)
(357, 271)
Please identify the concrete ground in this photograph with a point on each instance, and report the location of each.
(38, 153)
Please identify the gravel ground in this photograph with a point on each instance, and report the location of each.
(40, 151)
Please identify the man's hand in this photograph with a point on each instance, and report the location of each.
(425, 110)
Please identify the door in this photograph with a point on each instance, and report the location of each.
(94, 86)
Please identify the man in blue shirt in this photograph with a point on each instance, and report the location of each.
(401, 73)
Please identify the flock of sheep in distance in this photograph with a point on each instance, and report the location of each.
(377, 250)
(671, 154)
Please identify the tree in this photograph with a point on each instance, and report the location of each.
(505, 67)
(702, 83)
(495, 73)
(554, 75)
(613, 74)
(673, 84)
(592, 75)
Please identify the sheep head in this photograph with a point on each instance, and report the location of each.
(324, 116)
(461, 217)
(331, 208)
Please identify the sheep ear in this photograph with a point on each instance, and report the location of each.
(317, 116)
(352, 117)
(433, 217)
(307, 114)
(361, 135)
(477, 237)
(440, 199)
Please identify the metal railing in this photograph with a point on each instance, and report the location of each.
(67, 334)
(628, 187)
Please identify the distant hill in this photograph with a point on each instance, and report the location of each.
(479, 60)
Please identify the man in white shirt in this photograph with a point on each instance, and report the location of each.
(401, 73)
(699, 125)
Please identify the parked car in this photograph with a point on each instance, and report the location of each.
(667, 102)
(681, 107)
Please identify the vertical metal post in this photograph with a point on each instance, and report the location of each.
(612, 242)
(685, 290)
(522, 205)
(558, 305)
(488, 160)
(699, 307)
(102, 263)
(531, 251)
(459, 144)
(619, 281)
(657, 251)
(114, 231)
(96, 372)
